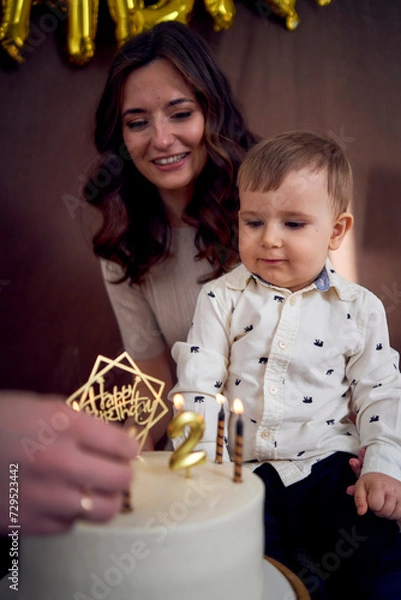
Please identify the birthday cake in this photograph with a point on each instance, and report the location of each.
(196, 538)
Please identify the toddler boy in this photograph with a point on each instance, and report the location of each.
(303, 348)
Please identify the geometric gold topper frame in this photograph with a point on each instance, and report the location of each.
(141, 400)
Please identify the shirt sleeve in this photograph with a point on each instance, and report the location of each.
(139, 329)
(376, 400)
(202, 363)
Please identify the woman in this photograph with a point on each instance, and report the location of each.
(170, 140)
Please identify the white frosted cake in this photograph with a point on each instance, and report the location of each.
(197, 538)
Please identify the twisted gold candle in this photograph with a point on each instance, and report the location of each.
(239, 432)
(220, 429)
(126, 505)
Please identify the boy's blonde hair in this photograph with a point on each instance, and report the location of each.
(267, 164)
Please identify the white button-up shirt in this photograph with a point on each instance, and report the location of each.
(301, 362)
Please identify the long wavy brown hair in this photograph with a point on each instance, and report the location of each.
(136, 232)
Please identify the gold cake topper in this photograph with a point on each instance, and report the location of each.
(129, 400)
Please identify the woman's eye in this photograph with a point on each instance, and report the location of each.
(183, 114)
(294, 225)
(136, 124)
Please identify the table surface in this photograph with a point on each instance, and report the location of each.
(280, 584)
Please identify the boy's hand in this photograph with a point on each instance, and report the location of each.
(379, 493)
(356, 464)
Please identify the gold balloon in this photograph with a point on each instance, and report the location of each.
(14, 27)
(165, 10)
(132, 16)
(123, 14)
(81, 30)
(222, 11)
(286, 10)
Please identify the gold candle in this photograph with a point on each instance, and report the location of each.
(238, 408)
(182, 457)
(126, 505)
(220, 429)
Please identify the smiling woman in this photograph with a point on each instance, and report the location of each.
(163, 131)
(170, 139)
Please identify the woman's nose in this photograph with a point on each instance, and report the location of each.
(163, 135)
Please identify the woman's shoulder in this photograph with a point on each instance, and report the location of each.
(111, 270)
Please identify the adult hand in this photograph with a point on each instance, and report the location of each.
(378, 492)
(61, 465)
(134, 429)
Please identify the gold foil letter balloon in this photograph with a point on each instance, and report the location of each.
(132, 17)
(123, 13)
(14, 27)
(82, 25)
(222, 11)
(167, 10)
(286, 10)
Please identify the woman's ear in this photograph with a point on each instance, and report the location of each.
(341, 227)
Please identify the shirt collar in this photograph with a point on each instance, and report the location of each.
(239, 278)
(322, 281)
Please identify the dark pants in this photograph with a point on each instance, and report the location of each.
(312, 527)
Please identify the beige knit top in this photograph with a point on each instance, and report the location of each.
(153, 315)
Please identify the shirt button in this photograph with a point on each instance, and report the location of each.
(282, 345)
(273, 390)
(293, 300)
(265, 434)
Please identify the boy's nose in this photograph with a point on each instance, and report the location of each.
(271, 236)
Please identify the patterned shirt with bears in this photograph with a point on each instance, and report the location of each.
(301, 362)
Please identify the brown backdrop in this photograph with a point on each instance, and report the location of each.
(339, 73)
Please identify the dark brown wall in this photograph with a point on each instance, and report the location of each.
(339, 72)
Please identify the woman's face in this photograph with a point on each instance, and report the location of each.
(163, 128)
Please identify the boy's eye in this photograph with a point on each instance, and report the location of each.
(254, 224)
(294, 224)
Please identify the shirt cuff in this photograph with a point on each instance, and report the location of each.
(382, 458)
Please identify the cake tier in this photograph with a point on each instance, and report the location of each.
(197, 538)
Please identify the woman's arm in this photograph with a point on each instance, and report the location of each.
(139, 329)
(141, 336)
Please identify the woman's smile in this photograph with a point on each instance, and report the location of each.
(170, 160)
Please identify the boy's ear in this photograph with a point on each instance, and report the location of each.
(341, 227)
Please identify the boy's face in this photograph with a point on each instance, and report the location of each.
(285, 234)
